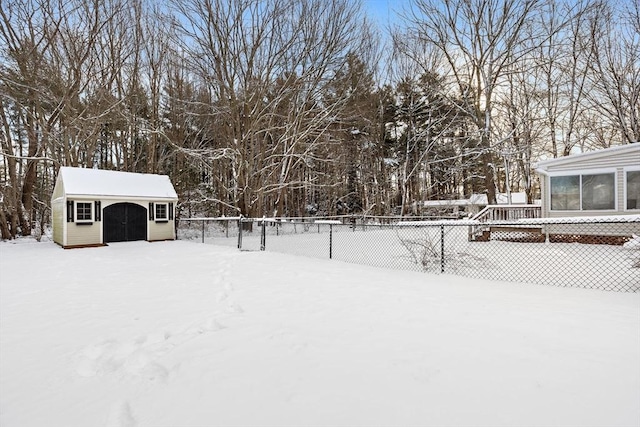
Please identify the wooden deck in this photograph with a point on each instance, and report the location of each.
(491, 216)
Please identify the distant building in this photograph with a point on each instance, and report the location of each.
(518, 198)
(92, 207)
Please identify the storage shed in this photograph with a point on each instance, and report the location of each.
(93, 207)
(597, 183)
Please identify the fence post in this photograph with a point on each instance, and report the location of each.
(330, 241)
(240, 233)
(202, 231)
(442, 248)
(263, 235)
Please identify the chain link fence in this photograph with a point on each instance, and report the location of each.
(586, 253)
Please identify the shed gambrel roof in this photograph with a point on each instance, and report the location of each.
(98, 182)
(631, 152)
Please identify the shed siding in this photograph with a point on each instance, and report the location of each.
(58, 189)
(57, 213)
(110, 202)
(161, 230)
(84, 234)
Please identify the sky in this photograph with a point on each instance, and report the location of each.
(385, 12)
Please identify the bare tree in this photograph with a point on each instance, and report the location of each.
(560, 66)
(616, 67)
(481, 41)
(266, 66)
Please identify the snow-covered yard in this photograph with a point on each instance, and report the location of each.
(591, 266)
(186, 334)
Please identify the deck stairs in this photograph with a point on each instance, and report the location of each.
(502, 220)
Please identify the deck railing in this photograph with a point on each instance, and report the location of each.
(496, 213)
(493, 213)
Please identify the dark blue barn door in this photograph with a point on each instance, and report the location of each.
(124, 222)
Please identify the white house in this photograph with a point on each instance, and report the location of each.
(596, 183)
(92, 207)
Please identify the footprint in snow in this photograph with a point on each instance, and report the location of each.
(121, 416)
(112, 357)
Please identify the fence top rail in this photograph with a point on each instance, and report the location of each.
(216, 218)
(450, 222)
(461, 222)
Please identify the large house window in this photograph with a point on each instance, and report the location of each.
(633, 189)
(83, 212)
(565, 193)
(598, 192)
(583, 192)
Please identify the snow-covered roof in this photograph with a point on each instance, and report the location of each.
(627, 149)
(478, 199)
(516, 198)
(446, 203)
(98, 182)
(475, 199)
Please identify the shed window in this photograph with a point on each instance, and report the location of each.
(633, 190)
(162, 212)
(83, 212)
(583, 192)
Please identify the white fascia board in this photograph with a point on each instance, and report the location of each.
(124, 198)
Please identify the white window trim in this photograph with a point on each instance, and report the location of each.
(624, 185)
(166, 212)
(570, 172)
(580, 173)
(77, 206)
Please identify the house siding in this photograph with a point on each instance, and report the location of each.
(623, 229)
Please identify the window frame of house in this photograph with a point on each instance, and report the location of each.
(626, 170)
(161, 218)
(81, 212)
(580, 174)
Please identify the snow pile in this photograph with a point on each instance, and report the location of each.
(186, 334)
(634, 243)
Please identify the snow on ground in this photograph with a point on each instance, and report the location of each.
(186, 334)
(607, 267)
